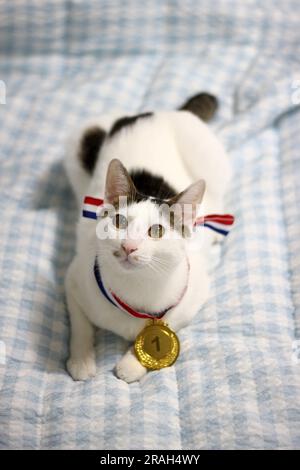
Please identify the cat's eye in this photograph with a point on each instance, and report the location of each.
(120, 221)
(156, 231)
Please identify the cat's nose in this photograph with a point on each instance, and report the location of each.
(129, 247)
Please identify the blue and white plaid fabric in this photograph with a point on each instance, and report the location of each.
(236, 383)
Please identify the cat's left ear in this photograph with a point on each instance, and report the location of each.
(118, 182)
(185, 204)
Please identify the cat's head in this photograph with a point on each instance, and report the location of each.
(138, 232)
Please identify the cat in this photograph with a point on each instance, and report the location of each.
(149, 158)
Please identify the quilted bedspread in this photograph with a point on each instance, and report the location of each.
(236, 383)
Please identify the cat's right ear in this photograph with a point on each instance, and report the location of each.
(184, 206)
(118, 183)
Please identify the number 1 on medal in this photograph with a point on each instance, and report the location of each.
(156, 340)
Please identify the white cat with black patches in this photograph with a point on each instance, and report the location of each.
(150, 158)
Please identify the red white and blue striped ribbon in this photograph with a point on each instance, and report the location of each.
(91, 206)
(220, 223)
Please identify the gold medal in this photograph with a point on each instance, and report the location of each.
(157, 346)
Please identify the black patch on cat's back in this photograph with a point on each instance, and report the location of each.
(89, 147)
(126, 121)
(151, 186)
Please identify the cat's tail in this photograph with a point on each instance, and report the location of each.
(203, 105)
(203, 154)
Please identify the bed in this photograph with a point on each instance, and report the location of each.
(236, 384)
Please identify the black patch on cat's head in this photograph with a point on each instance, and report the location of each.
(147, 186)
(202, 105)
(89, 147)
(151, 186)
(126, 121)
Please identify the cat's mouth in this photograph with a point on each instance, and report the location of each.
(127, 262)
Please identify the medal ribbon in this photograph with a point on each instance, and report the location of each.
(117, 302)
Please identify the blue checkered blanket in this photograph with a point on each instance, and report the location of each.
(236, 383)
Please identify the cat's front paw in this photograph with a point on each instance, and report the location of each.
(82, 368)
(129, 368)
